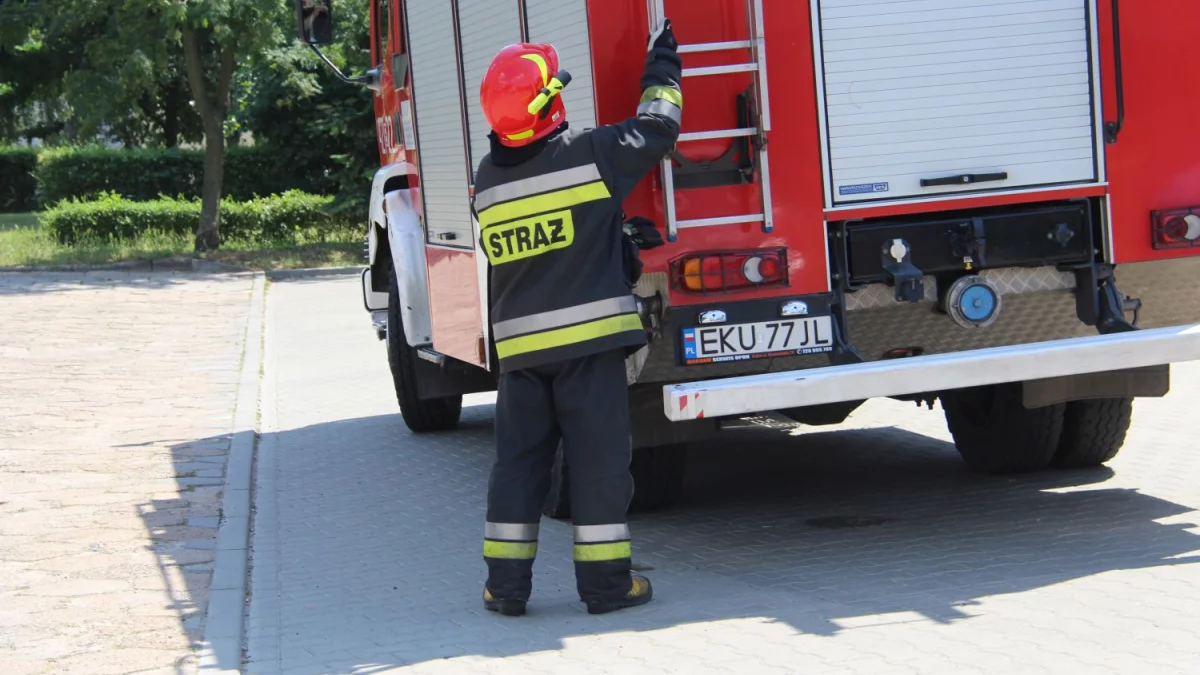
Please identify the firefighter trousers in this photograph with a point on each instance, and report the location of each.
(584, 403)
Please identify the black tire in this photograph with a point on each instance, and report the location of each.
(558, 499)
(1093, 432)
(421, 416)
(996, 434)
(657, 481)
(657, 477)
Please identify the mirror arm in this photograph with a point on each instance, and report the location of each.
(365, 80)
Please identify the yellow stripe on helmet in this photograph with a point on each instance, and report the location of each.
(542, 66)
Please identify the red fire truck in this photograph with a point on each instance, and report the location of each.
(991, 203)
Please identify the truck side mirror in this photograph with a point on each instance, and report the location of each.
(316, 21)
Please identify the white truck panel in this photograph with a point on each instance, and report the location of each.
(438, 102)
(564, 24)
(919, 89)
(485, 27)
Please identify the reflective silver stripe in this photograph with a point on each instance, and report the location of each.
(536, 185)
(569, 316)
(661, 106)
(589, 534)
(511, 531)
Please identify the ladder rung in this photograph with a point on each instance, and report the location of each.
(715, 46)
(721, 133)
(721, 70)
(725, 220)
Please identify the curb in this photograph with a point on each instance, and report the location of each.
(221, 650)
(280, 275)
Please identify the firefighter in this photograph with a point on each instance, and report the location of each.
(564, 317)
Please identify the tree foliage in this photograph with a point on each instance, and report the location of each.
(159, 73)
(295, 104)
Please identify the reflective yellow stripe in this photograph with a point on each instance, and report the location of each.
(619, 550)
(527, 187)
(552, 201)
(559, 318)
(521, 136)
(568, 336)
(510, 550)
(666, 93)
(542, 66)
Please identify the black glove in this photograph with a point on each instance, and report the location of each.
(643, 233)
(662, 37)
(663, 63)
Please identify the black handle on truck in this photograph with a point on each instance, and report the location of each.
(965, 179)
(1113, 129)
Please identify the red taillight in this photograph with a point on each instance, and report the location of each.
(725, 271)
(1176, 228)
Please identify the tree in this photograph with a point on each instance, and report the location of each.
(71, 74)
(161, 72)
(214, 35)
(292, 95)
(128, 56)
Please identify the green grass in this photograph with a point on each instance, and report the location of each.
(32, 246)
(9, 221)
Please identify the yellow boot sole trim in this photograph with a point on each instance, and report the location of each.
(568, 336)
(603, 552)
(510, 550)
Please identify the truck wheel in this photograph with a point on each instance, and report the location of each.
(996, 434)
(657, 481)
(421, 416)
(558, 499)
(1093, 432)
(657, 477)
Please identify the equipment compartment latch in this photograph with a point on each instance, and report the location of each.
(902, 275)
(970, 244)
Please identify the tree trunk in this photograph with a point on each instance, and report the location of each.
(212, 113)
(208, 233)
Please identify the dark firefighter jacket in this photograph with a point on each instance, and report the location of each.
(550, 218)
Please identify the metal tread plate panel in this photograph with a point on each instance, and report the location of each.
(564, 24)
(1039, 306)
(1009, 280)
(939, 88)
(1030, 317)
(442, 153)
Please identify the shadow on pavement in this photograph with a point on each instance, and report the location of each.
(182, 527)
(379, 541)
(39, 283)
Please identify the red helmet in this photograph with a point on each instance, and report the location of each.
(517, 77)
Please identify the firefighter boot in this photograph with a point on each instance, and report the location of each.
(502, 606)
(509, 550)
(639, 593)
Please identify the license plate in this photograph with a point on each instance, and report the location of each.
(763, 340)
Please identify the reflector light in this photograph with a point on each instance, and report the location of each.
(726, 271)
(750, 270)
(1176, 228)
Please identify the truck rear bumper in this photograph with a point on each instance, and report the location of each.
(941, 372)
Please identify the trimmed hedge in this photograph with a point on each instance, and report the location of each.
(18, 189)
(145, 175)
(269, 219)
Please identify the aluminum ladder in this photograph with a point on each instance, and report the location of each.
(757, 65)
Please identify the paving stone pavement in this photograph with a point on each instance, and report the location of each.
(116, 403)
(367, 542)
